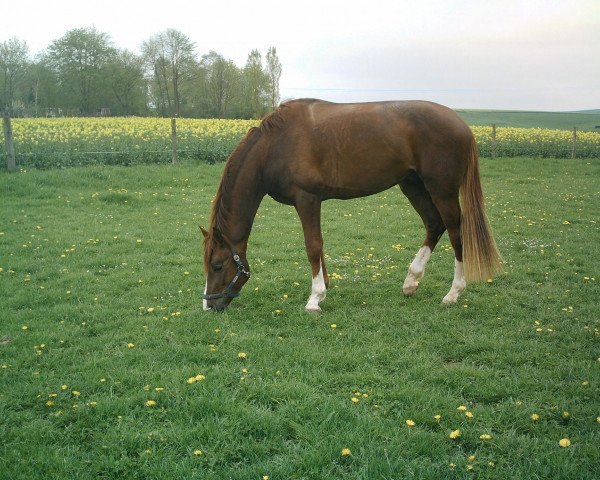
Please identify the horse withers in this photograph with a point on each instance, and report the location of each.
(310, 150)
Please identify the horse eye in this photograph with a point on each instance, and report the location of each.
(217, 268)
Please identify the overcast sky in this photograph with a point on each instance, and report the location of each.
(505, 54)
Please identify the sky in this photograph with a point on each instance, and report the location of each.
(484, 54)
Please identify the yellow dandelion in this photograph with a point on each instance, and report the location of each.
(242, 355)
(566, 414)
(469, 414)
(564, 442)
(333, 325)
(471, 458)
(355, 400)
(437, 418)
(485, 436)
(345, 452)
(535, 417)
(198, 452)
(462, 408)
(130, 345)
(200, 377)
(151, 403)
(454, 434)
(410, 423)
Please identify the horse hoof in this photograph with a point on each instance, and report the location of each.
(450, 299)
(312, 309)
(410, 289)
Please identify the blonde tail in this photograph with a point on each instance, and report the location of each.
(481, 257)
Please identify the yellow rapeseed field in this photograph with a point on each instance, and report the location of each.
(57, 142)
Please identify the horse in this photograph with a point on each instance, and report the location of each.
(308, 151)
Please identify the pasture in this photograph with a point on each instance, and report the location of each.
(109, 368)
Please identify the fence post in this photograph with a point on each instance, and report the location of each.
(574, 150)
(494, 140)
(9, 143)
(174, 139)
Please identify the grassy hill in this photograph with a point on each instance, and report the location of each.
(584, 120)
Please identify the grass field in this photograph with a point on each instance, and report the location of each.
(109, 368)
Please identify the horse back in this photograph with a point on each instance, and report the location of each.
(352, 150)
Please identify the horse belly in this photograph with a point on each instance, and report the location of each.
(359, 178)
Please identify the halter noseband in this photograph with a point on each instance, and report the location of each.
(229, 293)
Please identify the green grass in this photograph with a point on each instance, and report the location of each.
(75, 274)
(585, 121)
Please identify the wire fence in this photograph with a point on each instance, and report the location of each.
(80, 142)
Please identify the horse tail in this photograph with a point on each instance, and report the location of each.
(481, 257)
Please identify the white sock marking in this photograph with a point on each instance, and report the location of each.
(205, 306)
(318, 292)
(416, 271)
(458, 284)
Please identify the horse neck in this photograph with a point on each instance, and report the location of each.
(241, 202)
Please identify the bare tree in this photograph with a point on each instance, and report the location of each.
(170, 59)
(274, 74)
(13, 65)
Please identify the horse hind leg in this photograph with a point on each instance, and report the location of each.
(449, 208)
(412, 186)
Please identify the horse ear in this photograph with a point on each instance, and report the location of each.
(204, 232)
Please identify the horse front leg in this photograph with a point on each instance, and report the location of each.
(309, 211)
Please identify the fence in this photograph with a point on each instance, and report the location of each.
(536, 142)
(51, 143)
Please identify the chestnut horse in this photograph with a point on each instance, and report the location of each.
(309, 150)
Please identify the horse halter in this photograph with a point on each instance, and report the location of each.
(229, 293)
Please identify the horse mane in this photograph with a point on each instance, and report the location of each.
(220, 214)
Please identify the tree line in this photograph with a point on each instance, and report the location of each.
(84, 74)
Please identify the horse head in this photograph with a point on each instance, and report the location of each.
(226, 270)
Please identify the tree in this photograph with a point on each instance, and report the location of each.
(170, 61)
(273, 71)
(255, 83)
(13, 66)
(127, 82)
(79, 58)
(221, 82)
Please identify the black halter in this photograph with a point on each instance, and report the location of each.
(229, 293)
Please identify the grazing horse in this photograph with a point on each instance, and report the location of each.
(310, 150)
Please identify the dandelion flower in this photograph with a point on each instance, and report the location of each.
(242, 356)
(355, 400)
(566, 414)
(485, 436)
(151, 403)
(469, 414)
(471, 458)
(437, 418)
(535, 417)
(345, 452)
(410, 423)
(200, 377)
(454, 434)
(564, 442)
(333, 325)
(130, 345)
(462, 408)
(198, 452)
